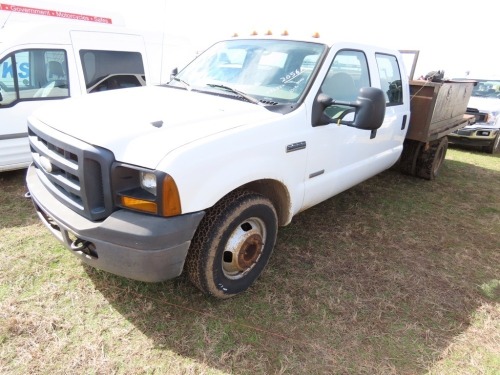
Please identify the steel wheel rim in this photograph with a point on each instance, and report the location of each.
(244, 248)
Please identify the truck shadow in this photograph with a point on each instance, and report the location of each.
(379, 279)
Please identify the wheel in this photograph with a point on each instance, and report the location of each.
(495, 146)
(409, 156)
(429, 161)
(233, 244)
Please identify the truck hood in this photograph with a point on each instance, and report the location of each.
(488, 105)
(142, 125)
(484, 104)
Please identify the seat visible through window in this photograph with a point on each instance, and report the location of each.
(340, 86)
(54, 71)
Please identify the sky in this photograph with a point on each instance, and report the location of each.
(455, 37)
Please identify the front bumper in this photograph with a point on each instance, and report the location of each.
(130, 244)
(473, 137)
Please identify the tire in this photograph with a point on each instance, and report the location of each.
(409, 156)
(495, 146)
(430, 161)
(233, 244)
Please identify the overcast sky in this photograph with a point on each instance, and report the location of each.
(459, 37)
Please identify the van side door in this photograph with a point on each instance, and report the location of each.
(29, 76)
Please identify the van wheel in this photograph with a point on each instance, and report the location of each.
(233, 244)
(495, 146)
(430, 161)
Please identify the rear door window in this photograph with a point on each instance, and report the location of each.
(105, 70)
(390, 78)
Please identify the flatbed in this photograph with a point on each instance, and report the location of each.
(437, 109)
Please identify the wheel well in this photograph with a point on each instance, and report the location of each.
(277, 193)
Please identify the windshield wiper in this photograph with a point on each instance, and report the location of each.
(237, 92)
(187, 85)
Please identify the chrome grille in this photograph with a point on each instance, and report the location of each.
(75, 172)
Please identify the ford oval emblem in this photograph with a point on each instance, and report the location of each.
(46, 164)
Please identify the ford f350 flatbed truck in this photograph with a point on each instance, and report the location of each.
(197, 176)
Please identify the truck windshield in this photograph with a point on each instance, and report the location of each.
(271, 71)
(487, 88)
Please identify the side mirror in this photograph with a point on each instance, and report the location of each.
(173, 73)
(369, 109)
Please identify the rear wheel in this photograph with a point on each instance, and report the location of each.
(430, 160)
(409, 157)
(232, 244)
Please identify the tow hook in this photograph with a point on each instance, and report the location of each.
(84, 247)
(27, 195)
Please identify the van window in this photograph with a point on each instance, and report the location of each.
(34, 74)
(390, 78)
(105, 70)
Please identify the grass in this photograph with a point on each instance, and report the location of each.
(395, 276)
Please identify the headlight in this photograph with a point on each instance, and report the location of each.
(145, 190)
(492, 117)
(148, 181)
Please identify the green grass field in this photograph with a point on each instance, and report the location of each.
(397, 275)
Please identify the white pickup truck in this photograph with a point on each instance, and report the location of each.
(197, 175)
(484, 106)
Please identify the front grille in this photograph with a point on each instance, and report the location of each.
(75, 172)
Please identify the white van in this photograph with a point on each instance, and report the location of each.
(48, 54)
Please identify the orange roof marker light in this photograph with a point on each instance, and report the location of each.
(284, 33)
(235, 35)
(315, 35)
(269, 32)
(254, 33)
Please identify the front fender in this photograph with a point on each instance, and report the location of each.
(207, 170)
